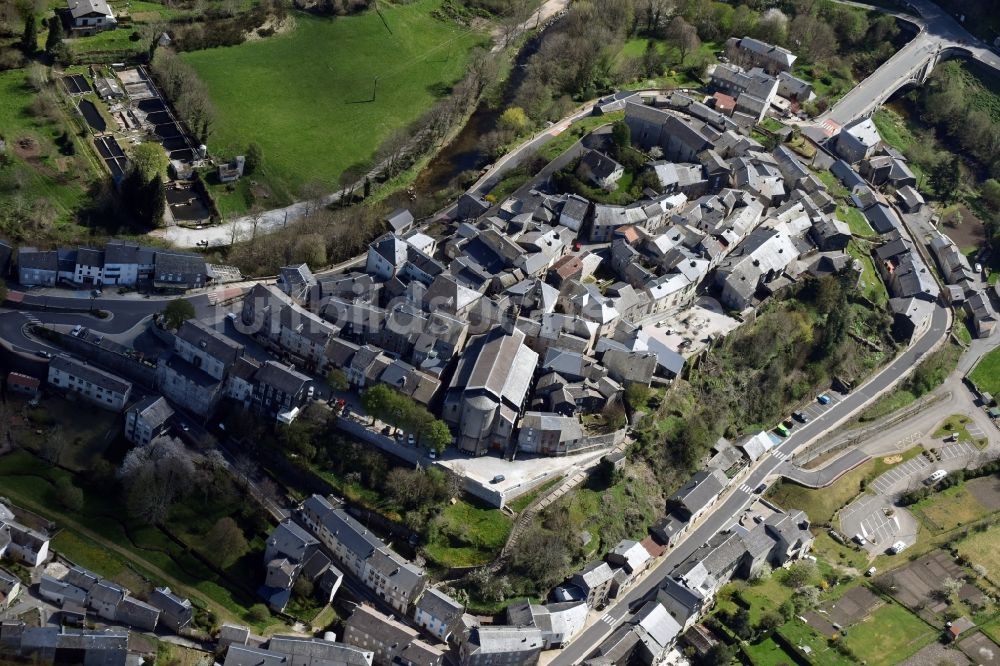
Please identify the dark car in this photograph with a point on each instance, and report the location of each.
(800, 417)
(759, 489)
(43, 353)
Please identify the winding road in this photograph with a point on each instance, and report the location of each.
(728, 509)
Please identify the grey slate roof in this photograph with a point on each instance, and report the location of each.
(154, 409)
(211, 341)
(89, 373)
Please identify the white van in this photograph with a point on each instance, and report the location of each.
(936, 476)
(897, 548)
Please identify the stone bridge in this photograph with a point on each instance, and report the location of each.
(938, 37)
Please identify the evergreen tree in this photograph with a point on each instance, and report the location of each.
(29, 38)
(55, 35)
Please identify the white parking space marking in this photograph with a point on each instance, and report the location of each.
(900, 474)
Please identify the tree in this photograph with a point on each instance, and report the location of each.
(258, 613)
(253, 159)
(377, 401)
(798, 574)
(436, 436)
(154, 201)
(177, 312)
(29, 38)
(149, 159)
(513, 119)
(945, 178)
(719, 654)
(336, 379)
(621, 134)
(769, 621)
(55, 36)
(683, 36)
(3, 291)
(68, 494)
(52, 448)
(225, 542)
(991, 193)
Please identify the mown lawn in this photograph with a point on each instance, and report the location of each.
(306, 96)
(888, 636)
(986, 374)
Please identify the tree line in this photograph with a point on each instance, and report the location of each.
(186, 91)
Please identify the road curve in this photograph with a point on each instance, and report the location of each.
(726, 511)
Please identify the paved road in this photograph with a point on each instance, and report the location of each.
(938, 32)
(728, 509)
(126, 313)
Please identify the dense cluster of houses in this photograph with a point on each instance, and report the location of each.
(122, 264)
(80, 591)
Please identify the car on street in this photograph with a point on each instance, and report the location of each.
(310, 393)
(823, 399)
(979, 268)
(43, 354)
(76, 330)
(759, 489)
(411, 440)
(432, 454)
(801, 417)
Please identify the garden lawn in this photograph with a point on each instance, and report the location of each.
(888, 636)
(306, 96)
(855, 220)
(871, 284)
(467, 534)
(768, 653)
(981, 548)
(987, 373)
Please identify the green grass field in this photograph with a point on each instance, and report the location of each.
(305, 96)
(949, 509)
(38, 176)
(888, 636)
(958, 423)
(981, 548)
(468, 534)
(855, 220)
(871, 284)
(986, 374)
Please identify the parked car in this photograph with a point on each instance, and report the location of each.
(897, 548)
(498, 478)
(936, 476)
(759, 489)
(823, 399)
(782, 430)
(788, 423)
(411, 440)
(801, 417)
(76, 330)
(870, 572)
(42, 353)
(860, 540)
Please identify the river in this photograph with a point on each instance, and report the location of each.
(465, 152)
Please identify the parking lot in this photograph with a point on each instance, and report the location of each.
(963, 450)
(878, 522)
(899, 477)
